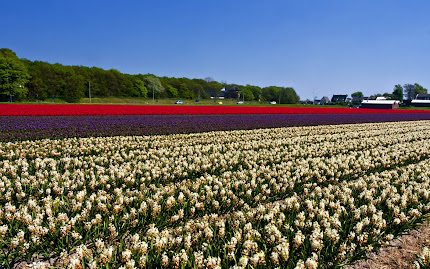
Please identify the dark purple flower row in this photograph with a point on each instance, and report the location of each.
(29, 128)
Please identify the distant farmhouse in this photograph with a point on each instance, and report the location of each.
(421, 100)
(337, 98)
(323, 101)
(380, 102)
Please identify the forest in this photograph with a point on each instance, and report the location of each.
(25, 80)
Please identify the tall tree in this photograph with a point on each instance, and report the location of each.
(419, 89)
(252, 92)
(13, 75)
(289, 96)
(74, 87)
(247, 94)
(280, 94)
(397, 92)
(271, 93)
(154, 86)
(409, 91)
(387, 95)
(185, 92)
(139, 87)
(172, 92)
(357, 94)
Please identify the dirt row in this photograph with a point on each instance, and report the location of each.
(401, 254)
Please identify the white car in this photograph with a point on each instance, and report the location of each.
(273, 103)
(240, 103)
(179, 102)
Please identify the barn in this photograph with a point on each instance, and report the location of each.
(422, 100)
(380, 103)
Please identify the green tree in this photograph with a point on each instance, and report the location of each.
(215, 87)
(409, 91)
(387, 95)
(419, 89)
(289, 96)
(140, 88)
(270, 93)
(154, 86)
(247, 94)
(197, 89)
(36, 86)
(74, 87)
(13, 75)
(397, 92)
(185, 92)
(280, 94)
(254, 90)
(374, 96)
(172, 92)
(357, 94)
(99, 86)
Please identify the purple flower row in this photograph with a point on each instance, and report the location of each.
(29, 128)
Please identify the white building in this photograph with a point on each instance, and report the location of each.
(421, 100)
(380, 102)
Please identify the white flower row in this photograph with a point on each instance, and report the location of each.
(239, 198)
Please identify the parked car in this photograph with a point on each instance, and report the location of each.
(179, 102)
(273, 103)
(240, 103)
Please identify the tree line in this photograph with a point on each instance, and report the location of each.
(22, 79)
(409, 91)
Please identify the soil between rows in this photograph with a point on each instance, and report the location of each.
(401, 254)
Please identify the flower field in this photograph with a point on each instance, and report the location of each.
(81, 110)
(296, 197)
(14, 128)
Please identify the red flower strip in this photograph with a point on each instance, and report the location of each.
(78, 110)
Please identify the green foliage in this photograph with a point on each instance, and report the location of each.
(419, 89)
(374, 96)
(252, 92)
(13, 75)
(247, 93)
(73, 87)
(357, 94)
(397, 92)
(172, 92)
(280, 94)
(154, 86)
(44, 80)
(289, 96)
(409, 91)
(185, 92)
(271, 93)
(139, 88)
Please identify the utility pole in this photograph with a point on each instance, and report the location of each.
(89, 90)
(280, 91)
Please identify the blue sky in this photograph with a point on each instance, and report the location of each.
(318, 47)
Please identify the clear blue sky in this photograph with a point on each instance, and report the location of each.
(318, 47)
